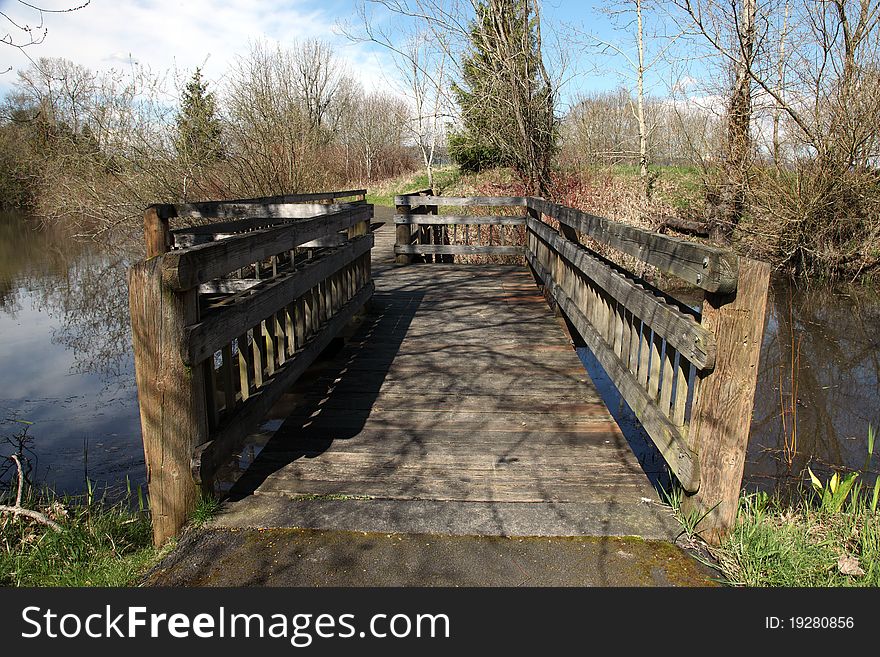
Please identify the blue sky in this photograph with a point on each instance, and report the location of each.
(175, 34)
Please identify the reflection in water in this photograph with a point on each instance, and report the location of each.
(820, 373)
(66, 366)
(66, 357)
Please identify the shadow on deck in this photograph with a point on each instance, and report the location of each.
(458, 406)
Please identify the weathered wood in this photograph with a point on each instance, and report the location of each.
(228, 285)
(171, 395)
(244, 366)
(723, 402)
(264, 206)
(457, 249)
(710, 268)
(681, 329)
(223, 324)
(209, 456)
(187, 268)
(481, 201)
(157, 233)
(229, 394)
(665, 435)
(404, 236)
(451, 219)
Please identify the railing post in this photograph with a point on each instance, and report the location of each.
(157, 231)
(724, 398)
(404, 236)
(171, 395)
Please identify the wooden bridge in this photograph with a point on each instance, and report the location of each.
(457, 392)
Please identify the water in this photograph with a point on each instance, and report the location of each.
(65, 360)
(66, 367)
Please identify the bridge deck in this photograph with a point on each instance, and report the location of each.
(460, 387)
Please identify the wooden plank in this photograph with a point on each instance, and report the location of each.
(187, 268)
(710, 268)
(441, 201)
(457, 249)
(267, 329)
(229, 369)
(723, 402)
(227, 285)
(679, 403)
(244, 366)
(171, 396)
(644, 355)
(458, 219)
(667, 377)
(656, 366)
(210, 455)
(665, 435)
(223, 324)
(258, 206)
(681, 329)
(403, 236)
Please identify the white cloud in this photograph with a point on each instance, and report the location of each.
(168, 34)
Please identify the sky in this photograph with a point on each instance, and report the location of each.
(181, 35)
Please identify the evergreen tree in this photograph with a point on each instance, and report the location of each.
(198, 127)
(505, 96)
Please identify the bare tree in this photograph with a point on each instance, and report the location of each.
(641, 53)
(422, 58)
(21, 30)
(731, 28)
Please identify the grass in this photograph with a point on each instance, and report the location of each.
(828, 536)
(100, 544)
(383, 193)
(776, 544)
(205, 511)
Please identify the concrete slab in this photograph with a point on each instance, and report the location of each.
(640, 518)
(308, 558)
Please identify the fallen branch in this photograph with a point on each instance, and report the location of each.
(18, 510)
(695, 228)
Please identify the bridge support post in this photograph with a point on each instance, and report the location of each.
(724, 398)
(172, 396)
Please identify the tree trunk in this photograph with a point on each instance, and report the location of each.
(728, 211)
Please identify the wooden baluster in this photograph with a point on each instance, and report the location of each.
(258, 345)
(656, 366)
(644, 355)
(679, 403)
(211, 393)
(300, 321)
(635, 328)
(267, 329)
(626, 335)
(280, 350)
(244, 366)
(618, 328)
(228, 379)
(667, 377)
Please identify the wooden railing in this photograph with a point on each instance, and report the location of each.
(423, 234)
(688, 375)
(225, 317)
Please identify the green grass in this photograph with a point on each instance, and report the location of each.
(774, 544)
(206, 509)
(100, 544)
(383, 193)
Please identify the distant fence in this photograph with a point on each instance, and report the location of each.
(689, 376)
(226, 316)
